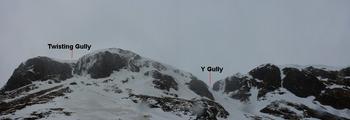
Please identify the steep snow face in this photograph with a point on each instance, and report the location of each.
(104, 86)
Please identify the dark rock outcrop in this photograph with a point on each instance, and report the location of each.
(133, 67)
(330, 77)
(344, 75)
(333, 75)
(163, 81)
(100, 65)
(218, 85)
(40, 115)
(233, 83)
(202, 109)
(345, 71)
(338, 98)
(270, 75)
(300, 83)
(200, 88)
(238, 86)
(38, 69)
(282, 109)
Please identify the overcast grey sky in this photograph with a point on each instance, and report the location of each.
(235, 34)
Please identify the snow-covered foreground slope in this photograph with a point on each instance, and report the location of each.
(91, 99)
(121, 85)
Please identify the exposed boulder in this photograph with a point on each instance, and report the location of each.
(38, 69)
(100, 65)
(338, 98)
(200, 88)
(301, 83)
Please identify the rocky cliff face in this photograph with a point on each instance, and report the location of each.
(38, 69)
(100, 65)
(269, 74)
(297, 93)
(301, 83)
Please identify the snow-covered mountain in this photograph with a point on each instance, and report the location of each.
(105, 84)
(119, 84)
(289, 92)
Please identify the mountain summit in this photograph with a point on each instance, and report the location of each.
(119, 84)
